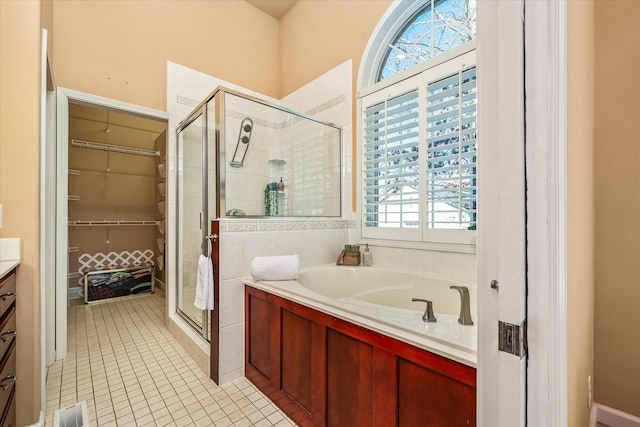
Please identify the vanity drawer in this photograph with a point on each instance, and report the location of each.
(7, 293)
(8, 376)
(7, 330)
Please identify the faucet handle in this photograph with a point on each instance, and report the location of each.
(428, 312)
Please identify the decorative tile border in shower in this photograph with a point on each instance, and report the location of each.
(325, 106)
(239, 226)
(183, 100)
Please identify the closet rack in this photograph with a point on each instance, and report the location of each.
(109, 223)
(114, 148)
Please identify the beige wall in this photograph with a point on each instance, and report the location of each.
(316, 36)
(119, 49)
(580, 206)
(19, 183)
(617, 188)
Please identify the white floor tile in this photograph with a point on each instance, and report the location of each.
(132, 372)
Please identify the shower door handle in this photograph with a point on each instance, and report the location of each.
(200, 220)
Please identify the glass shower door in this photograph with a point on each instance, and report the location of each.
(192, 226)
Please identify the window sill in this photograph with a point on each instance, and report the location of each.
(426, 246)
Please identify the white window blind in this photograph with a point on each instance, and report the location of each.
(451, 185)
(390, 162)
(418, 156)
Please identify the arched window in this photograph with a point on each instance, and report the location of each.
(436, 27)
(417, 112)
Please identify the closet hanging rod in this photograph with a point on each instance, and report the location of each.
(115, 148)
(109, 223)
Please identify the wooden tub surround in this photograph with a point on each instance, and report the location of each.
(325, 371)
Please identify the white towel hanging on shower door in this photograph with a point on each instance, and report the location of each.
(204, 283)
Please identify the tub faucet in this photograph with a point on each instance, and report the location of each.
(465, 306)
(428, 311)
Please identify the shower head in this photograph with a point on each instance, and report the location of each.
(246, 126)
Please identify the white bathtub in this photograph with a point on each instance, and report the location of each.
(380, 299)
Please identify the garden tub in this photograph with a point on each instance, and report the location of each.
(380, 299)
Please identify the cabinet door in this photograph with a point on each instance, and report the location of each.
(426, 397)
(259, 351)
(349, 381)
(296, 358)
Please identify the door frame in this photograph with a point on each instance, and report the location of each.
(501, 236)
(47, 211)
(546, 154)
(66, 96)
(544, 44)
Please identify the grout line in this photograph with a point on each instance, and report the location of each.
(130, 370)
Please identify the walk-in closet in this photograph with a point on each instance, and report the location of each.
(116, 207)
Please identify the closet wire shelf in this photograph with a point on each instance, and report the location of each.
(114, 148)
(109, 223)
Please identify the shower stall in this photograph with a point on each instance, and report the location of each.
(242, 157)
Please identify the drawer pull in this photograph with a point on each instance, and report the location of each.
(7, 296)
(5, 385)
(6, 335)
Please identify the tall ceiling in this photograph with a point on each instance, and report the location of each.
(275, 8)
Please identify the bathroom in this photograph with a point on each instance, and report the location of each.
(290, 52)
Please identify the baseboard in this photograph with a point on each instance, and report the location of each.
(40, 422)
(611, 417)
(75, 292)
(160, 284)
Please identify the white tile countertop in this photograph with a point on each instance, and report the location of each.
(10, 255)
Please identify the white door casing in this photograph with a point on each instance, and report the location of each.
(546, 136)
(64, 97)
(501, 240)
(62, 217)
(47, 212)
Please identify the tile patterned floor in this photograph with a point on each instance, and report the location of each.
(132, 372)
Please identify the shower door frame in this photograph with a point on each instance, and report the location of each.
(200, 111)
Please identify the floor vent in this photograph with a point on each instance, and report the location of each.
(72, 416)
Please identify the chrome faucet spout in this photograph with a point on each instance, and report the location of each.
(465, 305)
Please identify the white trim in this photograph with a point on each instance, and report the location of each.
(62, 239)
(47, 220)
(611, 417)
(501, 377)
(397, 14)
(112, 104)
(434, 62)
(546, 59)
(65, 96)
(40, 422)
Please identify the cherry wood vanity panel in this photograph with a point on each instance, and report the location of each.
(325, 371)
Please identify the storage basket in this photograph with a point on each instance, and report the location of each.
(348, 258)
